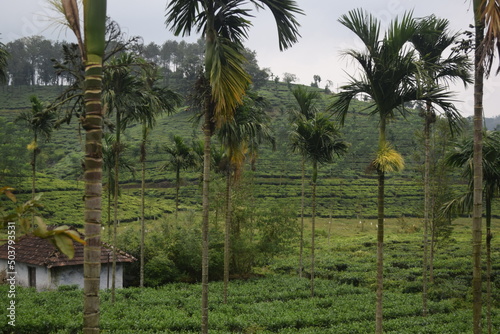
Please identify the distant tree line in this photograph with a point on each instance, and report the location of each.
(33, 61)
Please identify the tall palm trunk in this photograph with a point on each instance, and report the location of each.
(33, 167)
(313, 223)
(227, 234)
(489, 236)
(478, 170)
(380, 237)
(94, 24)
(207, 131)
(143, 188)
(117, 149)
(301, 247)
(177, 187)
(427, 205)
(204, 229)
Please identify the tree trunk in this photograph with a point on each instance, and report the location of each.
(313, 223)
(478, 173)
(489, 236)
(380, 254)
(204, 230)
(177, 187)
(143, 188)
(117, 190)
(301, 247)
(94, 24)
(427, 206)
(227, 233)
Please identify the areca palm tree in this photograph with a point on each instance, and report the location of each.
(462, 156)
(249, 127)
(121, 94)
(306, 100)
(487, 33)
(431, 41)
(388, 73)
(180, 158)
(318, 140)
(224, 26)
(40, 122)
(92, 47)
(155, 101)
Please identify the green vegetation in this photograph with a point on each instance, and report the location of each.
(280, 301)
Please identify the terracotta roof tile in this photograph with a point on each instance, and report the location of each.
(40, 252)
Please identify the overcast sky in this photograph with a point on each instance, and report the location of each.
(317, 52)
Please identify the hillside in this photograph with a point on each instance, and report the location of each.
(345, 189)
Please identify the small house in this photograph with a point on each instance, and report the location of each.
(39, 264)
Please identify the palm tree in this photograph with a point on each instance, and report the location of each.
(306, 100)
(388, 77)
(431, 41)
(155, 101)
(462, 156)
(487, 33)
(249, 127)
(41, 123)
(92, 47)
(180, 158)
(317, 139)
(121, 94)
(224, 26)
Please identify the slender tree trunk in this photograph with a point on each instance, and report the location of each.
(33, 177)
(427, 206)
(177, 187)
(95, 12)
(227, 234)
(313, 223)
(380, 237)
(301, 247)
(117, 191)
(478, 174)
(489, 236)
(380, 254)
(33, 170)
(205, 221)
(143, 189)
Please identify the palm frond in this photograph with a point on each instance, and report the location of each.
(491, 41)
(284, 12)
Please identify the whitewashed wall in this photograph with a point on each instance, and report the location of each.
(50, 279)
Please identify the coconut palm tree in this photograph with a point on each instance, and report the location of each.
(388, 77)
(224, 26)
(306, 100)
(249, 127)
(40, 122)
(462, 156)
(431, 41)
(318, 141)
(487, 33)
(180, 158)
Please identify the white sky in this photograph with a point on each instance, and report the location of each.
(317, 52)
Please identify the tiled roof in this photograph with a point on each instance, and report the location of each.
(33, 250)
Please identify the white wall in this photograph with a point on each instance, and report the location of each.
(50, 279)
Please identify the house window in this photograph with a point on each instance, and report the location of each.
(32, 276)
